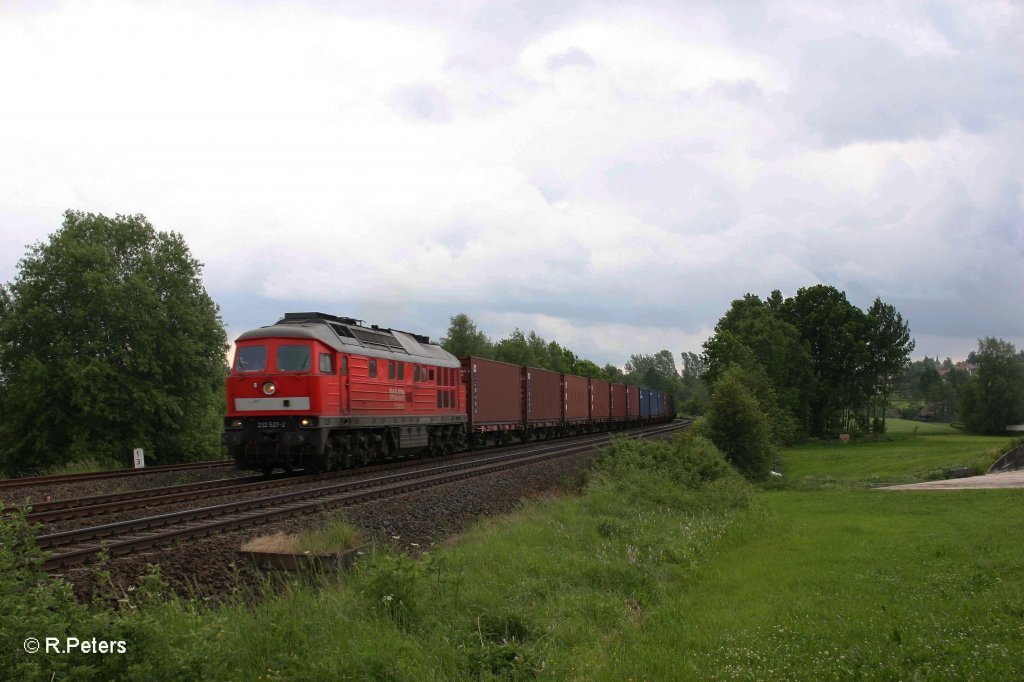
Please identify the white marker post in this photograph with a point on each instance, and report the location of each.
(140, 458)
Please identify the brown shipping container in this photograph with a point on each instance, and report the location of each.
(599, 409)
(618, 401)
(494, 393)
(577, 397)
(633, 401)
(543, 395)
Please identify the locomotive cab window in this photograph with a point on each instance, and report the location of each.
(431, 371)
(294, 358)
(251, 359)
(327, 363)
(391, 369)
(401, 371)
(373, 369)
(344, 364)
(416, 373)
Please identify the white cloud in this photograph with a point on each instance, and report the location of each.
(584, 171)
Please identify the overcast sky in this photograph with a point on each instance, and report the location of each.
(610, 175)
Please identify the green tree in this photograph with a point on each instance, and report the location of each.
(994, 398)
(109, 341)
(655, 371)
(695, 365)
(754, 335)
(517, 349)
(889, 349)
(738, 425)
(589, 368)
(612, 373)
(836, 336)
(464, 339)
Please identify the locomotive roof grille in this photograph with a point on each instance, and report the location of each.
(318, 317)
(341, 330)
(355, 329)
(383, 340)
(344, 334)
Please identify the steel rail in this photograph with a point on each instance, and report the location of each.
(240, 514)
(113, 473)
(80, 507)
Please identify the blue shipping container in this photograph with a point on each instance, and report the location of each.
(645, 402)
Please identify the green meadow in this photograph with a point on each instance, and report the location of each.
(909, 452)
(664, 566)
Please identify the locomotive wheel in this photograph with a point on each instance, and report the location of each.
(435, 448)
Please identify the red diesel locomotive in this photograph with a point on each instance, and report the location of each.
(321, 392)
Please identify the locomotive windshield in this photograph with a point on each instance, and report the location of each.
(251, 359)
(293, 358)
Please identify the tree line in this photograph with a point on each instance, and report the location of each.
(985, 392)
(657, 370)
(109, 341)
(824, 365)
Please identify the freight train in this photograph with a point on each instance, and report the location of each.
(321, 392)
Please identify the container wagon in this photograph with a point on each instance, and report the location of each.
(633, 403)
(618, 402)
(542, 403)
(600, 404)
(575, 403)
(494, 401)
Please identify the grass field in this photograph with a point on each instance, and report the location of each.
(852, 585)
(665, 569)
(911, 427)
(901, 456)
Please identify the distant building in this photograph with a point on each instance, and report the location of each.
(965, 366)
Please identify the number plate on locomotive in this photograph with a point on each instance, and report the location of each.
(271, 425)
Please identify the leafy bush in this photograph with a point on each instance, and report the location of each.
(37, 606)
(737, 424)
(689, 461)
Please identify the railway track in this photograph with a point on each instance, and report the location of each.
(95, 505)
(79, 546)
(115, 473)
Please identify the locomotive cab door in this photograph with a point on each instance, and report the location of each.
(343, 383)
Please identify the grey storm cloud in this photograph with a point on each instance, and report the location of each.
(574, 56)
(612, 173)
(423, 102)
(861, 88)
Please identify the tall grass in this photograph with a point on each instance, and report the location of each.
(667, 566)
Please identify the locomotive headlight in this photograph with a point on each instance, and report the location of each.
(269, 388)
(307, 421)
(234, 423)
